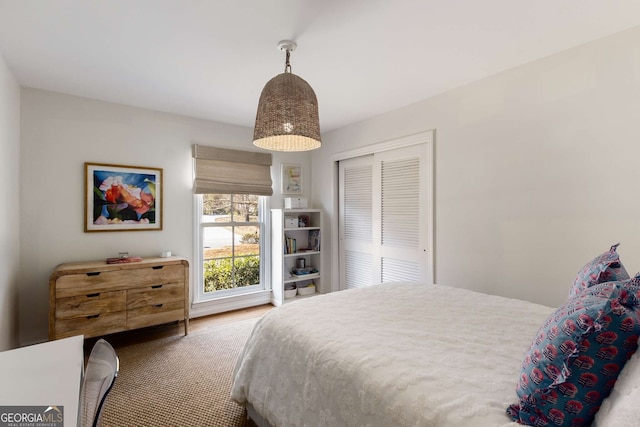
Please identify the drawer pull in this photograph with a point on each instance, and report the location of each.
(97, 294)
(94, 316)
(158, 305)
(156, 286)
(93, 273)
(157, 267)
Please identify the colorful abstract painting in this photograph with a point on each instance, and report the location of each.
(122, 198)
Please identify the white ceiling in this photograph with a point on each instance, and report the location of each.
(210, 58)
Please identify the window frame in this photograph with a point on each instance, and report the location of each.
(199, 295)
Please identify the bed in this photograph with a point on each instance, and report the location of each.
(407, 354)
(398, 354)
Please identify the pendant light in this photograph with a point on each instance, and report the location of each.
(287, 117)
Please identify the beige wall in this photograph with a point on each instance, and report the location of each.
(60, 133)
(10, 210)
(536, 169)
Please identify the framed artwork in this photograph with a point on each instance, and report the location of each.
(291, 179)
(122, 198)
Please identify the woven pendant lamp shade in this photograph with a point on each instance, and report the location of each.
(287, 117)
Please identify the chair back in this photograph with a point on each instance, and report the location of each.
(99, 375)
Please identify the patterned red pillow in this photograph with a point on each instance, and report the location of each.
(573, 362)
(605, 267)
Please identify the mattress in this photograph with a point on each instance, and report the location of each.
(399, 354)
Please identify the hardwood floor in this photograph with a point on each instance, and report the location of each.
(123, 339)
(230, 316)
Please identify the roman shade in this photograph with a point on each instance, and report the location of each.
(226, 171)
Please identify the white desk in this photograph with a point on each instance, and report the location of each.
(46, 374)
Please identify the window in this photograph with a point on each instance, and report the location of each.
(232, 189)
(231, 255)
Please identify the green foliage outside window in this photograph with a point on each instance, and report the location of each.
(234, 265)
(219, 273)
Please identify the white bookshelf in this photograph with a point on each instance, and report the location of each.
(285, 254)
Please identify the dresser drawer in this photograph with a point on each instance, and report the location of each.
(91, 326)
(155, 314)
(97, 281)
(91, 282)
(157, 275)
(154, 295)
(90, 304)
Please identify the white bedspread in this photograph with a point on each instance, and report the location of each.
(388, 355)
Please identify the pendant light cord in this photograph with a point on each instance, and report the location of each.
(287, 65)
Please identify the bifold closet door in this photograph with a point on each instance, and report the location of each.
(384, 217)
(356, 243)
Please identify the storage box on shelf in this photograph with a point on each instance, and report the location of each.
(295, 203)
(296, 252)
(96, 298)
(309, 289)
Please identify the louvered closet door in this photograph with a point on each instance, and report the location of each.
(384, 217)
(356, 222)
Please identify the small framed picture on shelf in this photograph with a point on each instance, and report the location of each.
(314, 240)
(291, 179)
(303, 221)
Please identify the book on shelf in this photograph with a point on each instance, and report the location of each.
(290, 245)
(302, 272)
(302, 275)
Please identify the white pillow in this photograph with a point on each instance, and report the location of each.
(622, 407)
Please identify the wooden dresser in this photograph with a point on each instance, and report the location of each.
(96, 298)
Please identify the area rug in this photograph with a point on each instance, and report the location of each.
(179, 381)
